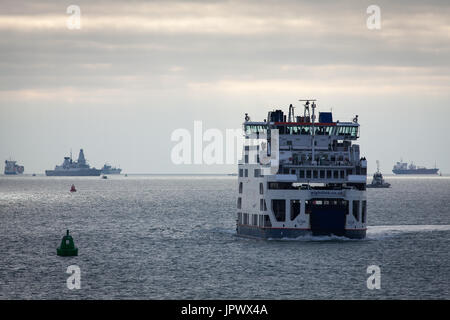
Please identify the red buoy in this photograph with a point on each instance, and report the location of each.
(72, 189)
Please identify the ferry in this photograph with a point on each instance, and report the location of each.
(301, 177)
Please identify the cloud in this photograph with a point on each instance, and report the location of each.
(212, 59)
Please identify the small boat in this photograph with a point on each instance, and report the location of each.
(378, 180)
(104, 177)
(72, 189)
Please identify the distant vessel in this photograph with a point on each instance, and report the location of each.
(403, 168)
(107, 169)
(378, 180)
(74, 168)
(12, 168)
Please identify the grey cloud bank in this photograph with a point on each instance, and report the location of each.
(138, 70)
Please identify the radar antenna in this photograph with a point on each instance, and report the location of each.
(312, 119)
(306, 105)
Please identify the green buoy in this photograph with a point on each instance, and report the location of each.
(67, 247)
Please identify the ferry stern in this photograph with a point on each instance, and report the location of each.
(301, 177)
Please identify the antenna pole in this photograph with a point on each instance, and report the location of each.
(313, 118)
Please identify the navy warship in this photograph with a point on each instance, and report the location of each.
(74, 168)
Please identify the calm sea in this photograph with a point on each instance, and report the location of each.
(173, 237)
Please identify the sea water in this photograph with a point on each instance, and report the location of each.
(173, 237)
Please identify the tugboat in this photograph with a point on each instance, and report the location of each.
(378, 180)
(74, 168)
(299, 176)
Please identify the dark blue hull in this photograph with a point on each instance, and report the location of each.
(111, 171)
(416, 171)
(73, 173)
(280, 233)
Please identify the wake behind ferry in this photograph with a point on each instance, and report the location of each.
(314, 182)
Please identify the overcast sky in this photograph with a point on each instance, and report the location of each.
(137, 70)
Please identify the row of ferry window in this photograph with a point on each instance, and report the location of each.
(318, 174)
(244, 173)
(351, 131)
(262, 204)
(261, 188)
(309, 174)
(261, 220)
(322, 174)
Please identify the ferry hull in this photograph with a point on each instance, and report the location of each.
(288, 233)
(73, 173)
(415, 171)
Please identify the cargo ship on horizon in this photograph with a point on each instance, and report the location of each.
(403, 168)
(74, 168)
(11, 167)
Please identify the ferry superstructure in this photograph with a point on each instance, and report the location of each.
(301, 177)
